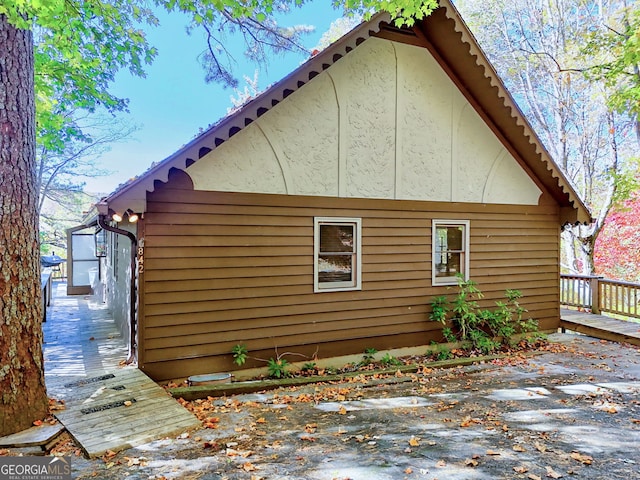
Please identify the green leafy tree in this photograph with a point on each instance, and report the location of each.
(615, 47)
(78, 49)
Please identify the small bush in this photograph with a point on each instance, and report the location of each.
(240, 354)
(388, 360)
(482, 330)
(277, 367)
(309, 367)
(368, 357)
(443, 353)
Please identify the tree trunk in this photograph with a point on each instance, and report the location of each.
(23, 396)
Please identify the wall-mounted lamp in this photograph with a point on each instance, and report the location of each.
(133, 217)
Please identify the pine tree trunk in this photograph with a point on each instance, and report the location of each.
(23, 396)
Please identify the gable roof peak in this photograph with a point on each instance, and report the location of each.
(448, 39)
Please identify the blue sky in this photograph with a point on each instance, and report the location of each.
(173, 102)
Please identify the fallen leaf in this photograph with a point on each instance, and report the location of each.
(261, 420)
(531, 476)
(468, 421)
(414, 442)
(127, 403)
(37, 423)
(441, 464)
(520, 469)
(249, 467)
(211, 422)
(519, 448)
(541, 447)
(134, 461)
(492, 452)
(56, 405)
(342, 411)
(408, 471)
(311, 427)
(585, 459)
(470, 462)
(551, 473)
(108, 455)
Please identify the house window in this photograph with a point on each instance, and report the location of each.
(337, 254)
(450, 251)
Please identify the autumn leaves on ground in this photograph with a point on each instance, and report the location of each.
(571, 410)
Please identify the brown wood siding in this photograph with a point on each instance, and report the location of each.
(228, 268)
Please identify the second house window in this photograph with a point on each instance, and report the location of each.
(450, 251)
(337, 254)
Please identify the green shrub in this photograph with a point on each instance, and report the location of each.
(388, 360)
(309, 367)
(277, 367)
(482, 330)
(368, 357)
(240, 353)
(443, 353)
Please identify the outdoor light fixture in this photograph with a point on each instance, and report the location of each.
(133, 217)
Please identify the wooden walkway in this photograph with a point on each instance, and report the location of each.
(108, 406)
(121, 409)
(600, 326)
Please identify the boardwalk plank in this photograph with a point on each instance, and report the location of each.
(154, 414)
(142, 409)
(32, 437)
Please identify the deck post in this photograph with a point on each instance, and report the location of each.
(595, 294)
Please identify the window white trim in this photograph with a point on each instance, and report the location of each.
(356, 282)
(436, 257)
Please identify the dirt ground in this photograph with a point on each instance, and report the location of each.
(572, 411)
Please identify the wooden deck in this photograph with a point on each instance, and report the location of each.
(108, 406)
(600, 326)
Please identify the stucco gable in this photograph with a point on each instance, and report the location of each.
(384, 122)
